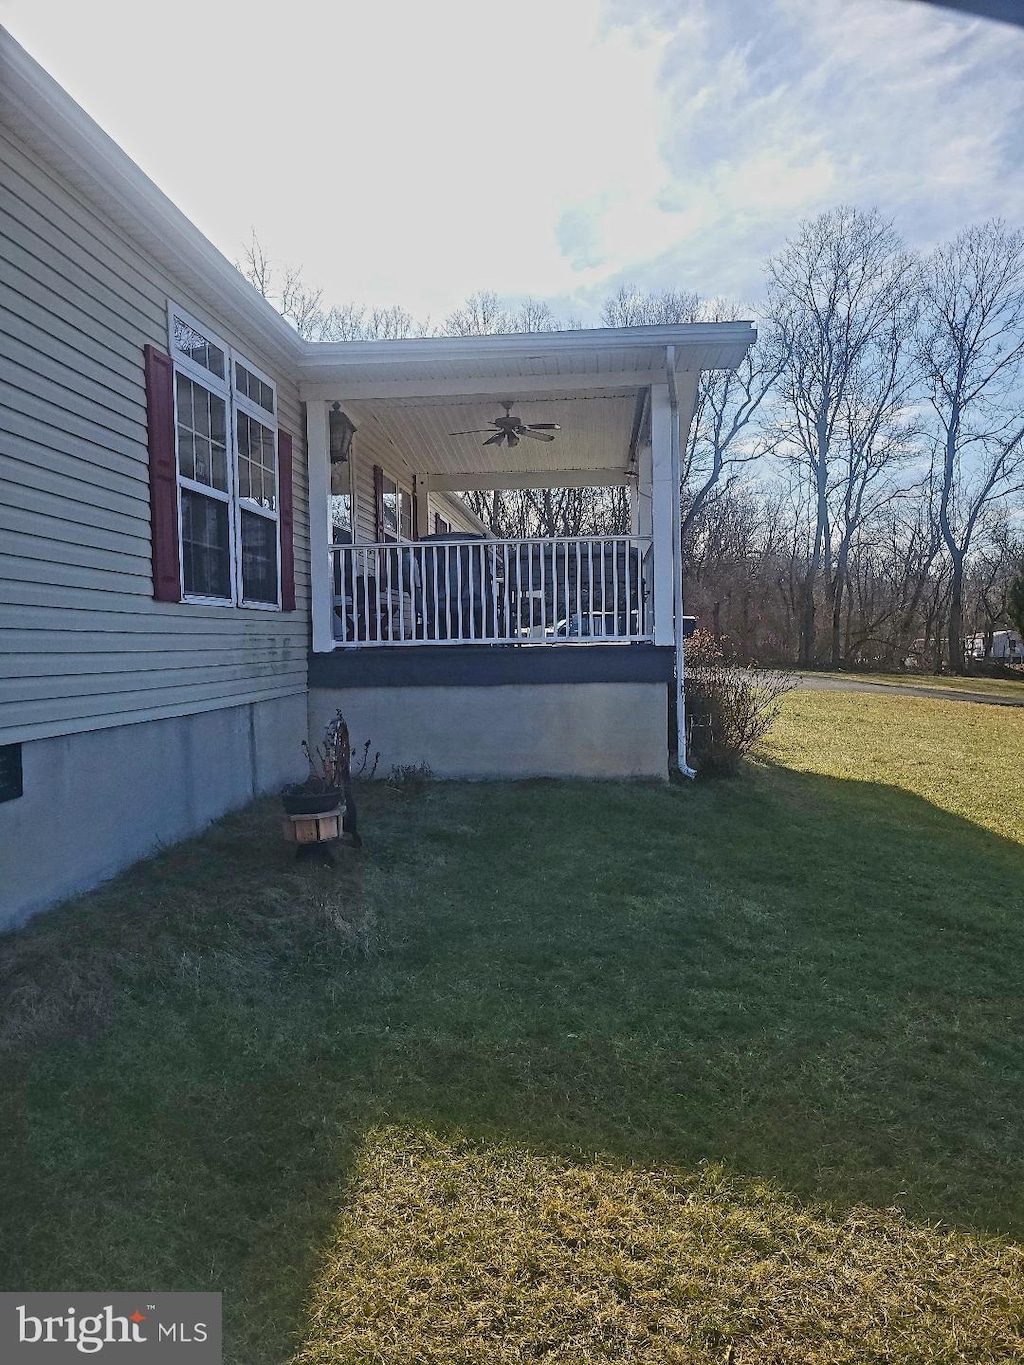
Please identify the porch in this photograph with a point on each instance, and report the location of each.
(544, 590)
(534, 655)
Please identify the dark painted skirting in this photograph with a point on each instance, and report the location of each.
(491, 665)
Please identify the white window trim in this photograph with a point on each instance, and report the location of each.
(401, 489)
(235, 402)
(350, 492)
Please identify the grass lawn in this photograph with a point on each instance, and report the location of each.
(557, 1072)
(946, 682)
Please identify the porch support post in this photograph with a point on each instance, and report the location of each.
(663, 500)
(321, 577)
(421, 496)
(644, 476)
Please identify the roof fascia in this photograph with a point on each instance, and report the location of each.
(336, 356)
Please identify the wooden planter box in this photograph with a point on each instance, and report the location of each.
(319, 828)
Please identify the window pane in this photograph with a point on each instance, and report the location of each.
(253, 387)
(341, 515)
(204, 464)
(184, 396)
(259, 558)
(202, 410)
(218, 421)
(191, 342)
(186, 452)
(202, 450)
(391, 514)
(220, 468)
(206, 560)
(256, 462)
(269, 470)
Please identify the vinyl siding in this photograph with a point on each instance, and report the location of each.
(371, 447)
(83, 645)
(448, 510)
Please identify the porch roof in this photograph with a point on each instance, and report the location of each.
(421, 393)
(524, 362)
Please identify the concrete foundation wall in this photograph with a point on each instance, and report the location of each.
(602, 730)
(96, 802)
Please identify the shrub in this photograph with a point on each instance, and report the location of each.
(410, 778)
(728, 707)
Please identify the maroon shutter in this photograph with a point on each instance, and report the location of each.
(378, 501)
(163, 476)
(285, 509)
(415, 515)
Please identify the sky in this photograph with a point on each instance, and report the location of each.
(412, 152)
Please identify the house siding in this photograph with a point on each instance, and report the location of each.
(372, 447)
(448, 510)
(83, 644)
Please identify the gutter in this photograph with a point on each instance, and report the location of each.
(724, 345)
(677, 563)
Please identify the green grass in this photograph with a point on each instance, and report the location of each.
(966, 760)
(946, 682)
(555, 1071)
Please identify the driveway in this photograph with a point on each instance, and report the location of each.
(813, 683)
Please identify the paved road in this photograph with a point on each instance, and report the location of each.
(817, 684)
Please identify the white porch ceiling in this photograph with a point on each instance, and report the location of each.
(596, 428)
(417, 392)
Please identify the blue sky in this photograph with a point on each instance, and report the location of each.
(411, 153)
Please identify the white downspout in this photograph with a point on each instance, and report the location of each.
(677, 562)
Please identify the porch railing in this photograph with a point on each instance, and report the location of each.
(569, 590)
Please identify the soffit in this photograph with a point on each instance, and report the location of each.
(596, 428)
(531, 363)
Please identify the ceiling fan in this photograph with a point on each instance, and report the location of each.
(509, 428)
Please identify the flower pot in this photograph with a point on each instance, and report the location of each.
(312, 803)
(324, 827)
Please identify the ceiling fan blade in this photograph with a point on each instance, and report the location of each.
(496, 439)
(481, 432)
(545, 426)
(536, 435)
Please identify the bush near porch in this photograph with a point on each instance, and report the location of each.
(557, 1071)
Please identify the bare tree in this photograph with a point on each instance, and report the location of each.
(990, 577)
(533, 315)
(303, 306)
(1015, 598)
(878, 443)
(724, 433)
(354, 322)
(633, 307)
(973, 354)
(285, 290)
(839, 304)
(483, 314)
(256, 268)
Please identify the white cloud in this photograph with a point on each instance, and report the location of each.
(414, 152)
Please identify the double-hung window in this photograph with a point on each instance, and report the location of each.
(227, 469)
(394, 514)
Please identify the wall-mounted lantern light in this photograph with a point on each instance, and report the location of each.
(341, 433)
